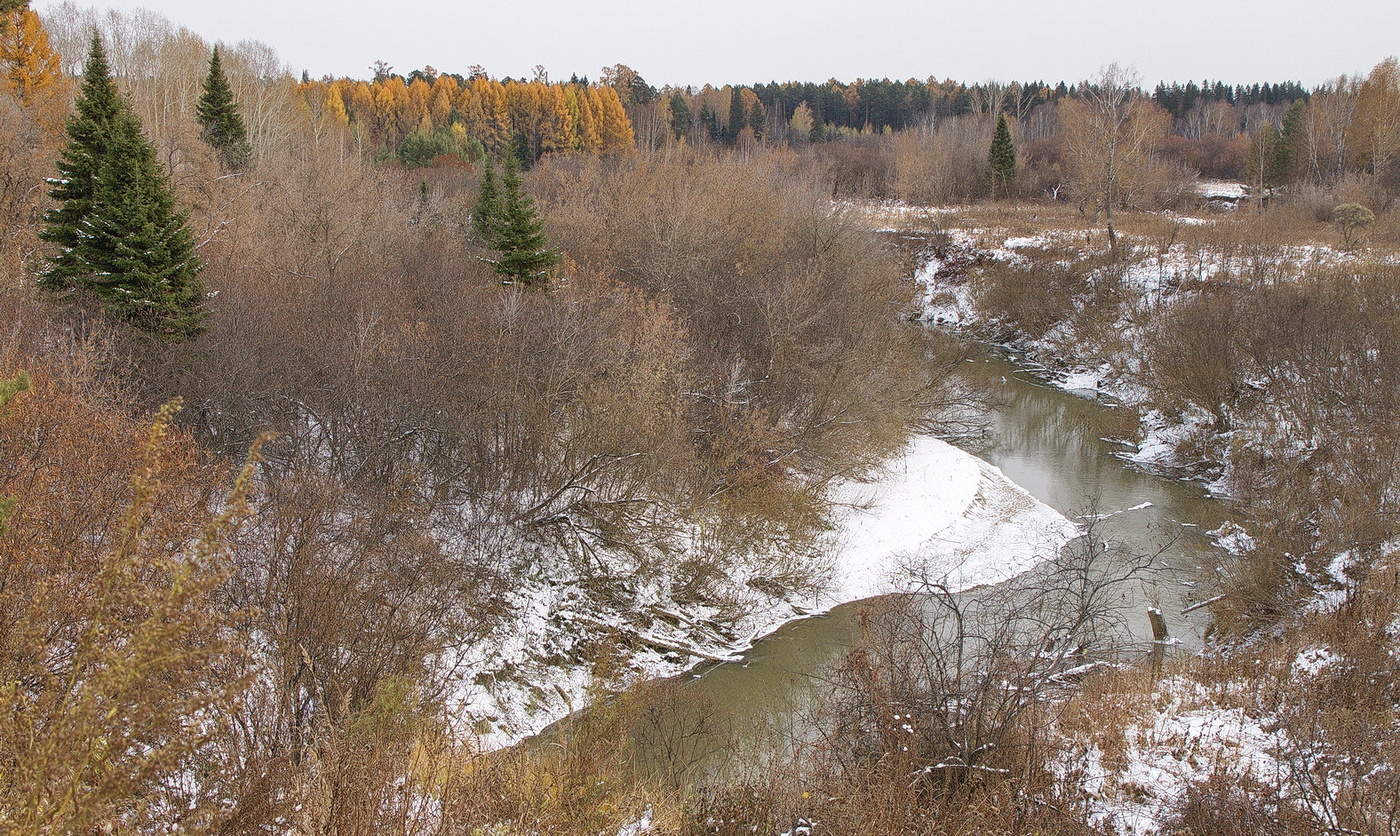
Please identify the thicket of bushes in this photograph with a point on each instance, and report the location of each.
(719, 346)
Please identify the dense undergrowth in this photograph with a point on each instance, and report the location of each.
(435, 461)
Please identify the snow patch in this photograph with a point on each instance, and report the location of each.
(935, 511)
(1221, 190)
(942, 513)
(1165, 756)
(1233, 539)
(1314, 660)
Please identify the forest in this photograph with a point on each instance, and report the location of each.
(386, 454)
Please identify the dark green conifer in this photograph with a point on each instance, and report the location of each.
(220, 121)
(710, 122)
(525, 256)
(136, 255)
(520, 150)
(756, 120)
(738, 117)
(94, 111)
(1001, 159)
(488, 204)
(680, 115)
(1291, 147)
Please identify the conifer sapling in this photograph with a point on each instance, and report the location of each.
(222, 125)
(1001, 158)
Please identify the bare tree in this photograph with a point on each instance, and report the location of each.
(945, 687)
(1109, 129)
(1329, 115)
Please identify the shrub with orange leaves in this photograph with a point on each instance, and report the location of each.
(116, 661)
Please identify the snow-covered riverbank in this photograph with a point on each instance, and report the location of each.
(936, 510)
(941, 512)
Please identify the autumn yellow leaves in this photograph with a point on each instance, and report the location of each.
(550, 117)
(29, 67)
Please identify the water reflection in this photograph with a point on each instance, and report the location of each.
(1052, 443)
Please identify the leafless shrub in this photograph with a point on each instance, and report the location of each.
(945, 704)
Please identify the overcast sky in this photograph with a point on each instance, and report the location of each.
(759, 40)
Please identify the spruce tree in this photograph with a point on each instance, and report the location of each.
(710, 122)
(488, 204)
(520, 151)
(94, 111)
(1291, 147)
(738, 118)
(525, 256)
(756, 120)
(218, 116)
(1001, 158)
(680, 115)
(136, 254)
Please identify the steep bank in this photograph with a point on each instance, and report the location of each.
(936, 509)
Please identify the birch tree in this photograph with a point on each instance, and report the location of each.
(1109, 129)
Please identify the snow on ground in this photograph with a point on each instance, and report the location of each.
(1314, 660)
(943, 512)
(1190, 737)
(1231, 537)
(936, 508)
(890, 215)
(1084, 380)
(638, 827)
(1187, 220)
(1221, 190)
(1161, 437)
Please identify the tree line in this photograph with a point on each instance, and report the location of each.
(429, 115)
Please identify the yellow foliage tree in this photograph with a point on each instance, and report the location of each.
(444, 94)
(551, 117)
(30, 66)
(615, 127)
(590, 136)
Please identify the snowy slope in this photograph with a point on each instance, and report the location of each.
(944, 512)
(937, 509)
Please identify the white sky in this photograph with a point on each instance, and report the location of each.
(723, 41)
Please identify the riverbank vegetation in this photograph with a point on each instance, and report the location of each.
(464, 492)
(304, 510)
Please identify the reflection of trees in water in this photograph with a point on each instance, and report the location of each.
(944, 685)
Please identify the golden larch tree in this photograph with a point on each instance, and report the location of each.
(615, 127)
(30, 66)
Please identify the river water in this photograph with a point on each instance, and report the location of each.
(1052, 443)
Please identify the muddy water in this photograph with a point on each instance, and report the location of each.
(1050, 442)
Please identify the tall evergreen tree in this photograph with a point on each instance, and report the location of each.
(488, 204)
(1291, 148)
(680, 115)
(738, 117)
(525, 256)
(220, 121)
(520, 151)
(710, 122)
(136, 253)
(1001, 159)
(756, 120)
(94, 112)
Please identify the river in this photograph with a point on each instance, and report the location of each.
(1052, 443)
